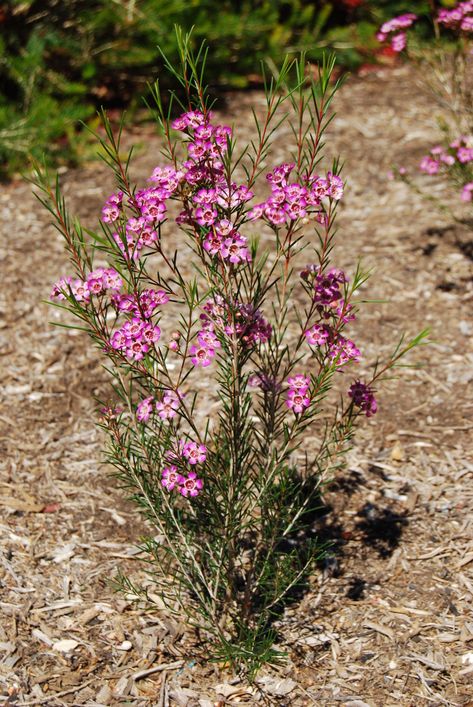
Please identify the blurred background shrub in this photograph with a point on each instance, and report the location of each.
(62, 60)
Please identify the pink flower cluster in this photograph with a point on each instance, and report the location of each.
(325, 289)
(112, 208)
(135, 338)
(291, 201)
(339, 349)
(97, 283)
(459, 155)
(395, 27)
(238, 318)
(185, 453)
(203, 351)
(363, 397)
(143, 304)
(249, 325)
(137, 335)
(213, 200)
(149, 208)
(224, 240)
(166, 408)
(460, 150)
(459, 18)
(298, 397)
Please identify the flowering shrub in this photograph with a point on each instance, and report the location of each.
(228, 495)
(446, 66)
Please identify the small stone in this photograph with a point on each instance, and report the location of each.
(65, 646)
(397, 452)
(125, 646)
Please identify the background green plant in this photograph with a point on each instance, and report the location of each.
(61, 61)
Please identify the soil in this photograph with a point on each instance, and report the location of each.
(388, 619)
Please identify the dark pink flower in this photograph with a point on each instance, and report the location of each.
(363, 397)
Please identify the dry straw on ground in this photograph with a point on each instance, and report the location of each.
(388, 620)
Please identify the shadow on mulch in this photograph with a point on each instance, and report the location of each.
(377, 527)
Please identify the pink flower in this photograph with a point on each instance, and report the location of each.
(399, 42)
(335, 186)
(144, 409)
(80, 290)
(136, 350)
(111, 279)
(170, 477)
(60, 287)
(205, 215)
(167, 408)
(465, 154)
(151, 333)
(429, 165)
(194, 453)
(327, 286)
(207, 338)
(234, 249)
(297, 400)
(344, 350)
(467, 24)
(299, 382)
(213, 242)
(112, 208)
(467, 192)
(318, 335)
(201, 355)
(190, 486)
(280, 173)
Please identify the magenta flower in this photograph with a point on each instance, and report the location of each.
(327, 286)
(205, 215)
(80, 290)
(399, 42)
(60, 287)
(429, 165)
(299, 382)
(467, 192)
(234, 249)
(136, 350)
(465, 154)
(335, 186)
(201, 355)
(144, 409)
(363, 397)
(297, 400)
(170, 477)
(168, 406)
(343, 350)
(194, 453)
(213, 242)
(318, 334)
(207, 338)
(190, 486)
(112, 208)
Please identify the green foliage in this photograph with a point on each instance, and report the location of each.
(63, 60)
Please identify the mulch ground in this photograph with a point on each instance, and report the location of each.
(388, 620)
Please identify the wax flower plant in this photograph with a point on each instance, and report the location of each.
(223, 353)
(446, 63)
